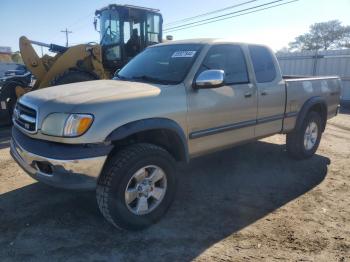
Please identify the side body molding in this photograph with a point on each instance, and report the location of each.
(153, 124)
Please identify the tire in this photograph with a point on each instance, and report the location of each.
(119, 175)
(72, 76)
(297, 147)
(8, 96)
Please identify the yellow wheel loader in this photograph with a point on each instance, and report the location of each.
(125, 31)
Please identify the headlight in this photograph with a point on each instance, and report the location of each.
(66, 125)
(77, 124)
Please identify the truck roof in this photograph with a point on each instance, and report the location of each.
(206, 41)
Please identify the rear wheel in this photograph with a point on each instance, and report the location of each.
(73, 76)
(303, 143)
(137, 186)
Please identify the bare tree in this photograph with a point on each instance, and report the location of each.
(326, 35)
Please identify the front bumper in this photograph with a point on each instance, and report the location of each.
(70, 173)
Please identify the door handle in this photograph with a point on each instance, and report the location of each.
(264, 93)
(248, 94)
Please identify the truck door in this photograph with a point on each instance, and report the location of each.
(222, 116)
(271, 91)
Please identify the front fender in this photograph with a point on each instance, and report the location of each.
(148, 125)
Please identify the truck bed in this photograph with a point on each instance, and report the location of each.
(299, 89)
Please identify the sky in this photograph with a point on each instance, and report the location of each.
(42, 20)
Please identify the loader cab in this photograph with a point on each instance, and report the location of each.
(125, 31)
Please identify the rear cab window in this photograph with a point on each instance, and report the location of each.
(263, 64)
(229, 58)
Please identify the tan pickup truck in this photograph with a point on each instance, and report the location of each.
(172, 102)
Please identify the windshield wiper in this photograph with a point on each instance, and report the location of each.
(153, 79)
(117, 76)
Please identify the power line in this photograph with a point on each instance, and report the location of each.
(82, 19)
(84, 25)
(66, 32)
(77, 22)
(183, 27)
(209, 13)
(224, 15)
(221, 19)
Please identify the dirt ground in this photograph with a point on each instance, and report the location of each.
(250, 203)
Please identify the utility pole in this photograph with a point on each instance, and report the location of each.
(66, 32)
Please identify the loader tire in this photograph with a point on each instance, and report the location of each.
(72, 76)
(8, 99)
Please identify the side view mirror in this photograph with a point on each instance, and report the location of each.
(210, 79)
(95, 24)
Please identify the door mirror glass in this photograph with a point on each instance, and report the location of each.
(210, 79)
(95, 24)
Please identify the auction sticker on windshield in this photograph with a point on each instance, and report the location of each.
(180, 54)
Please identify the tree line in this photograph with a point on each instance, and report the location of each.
(321, 36)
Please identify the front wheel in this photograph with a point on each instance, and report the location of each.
(137, 186)
(303, 143)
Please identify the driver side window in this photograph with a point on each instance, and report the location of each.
(229, 58)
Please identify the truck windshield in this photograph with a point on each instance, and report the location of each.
(110, 31)
(168, 64)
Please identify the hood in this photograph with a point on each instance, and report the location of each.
(112, 103)
(74, 94)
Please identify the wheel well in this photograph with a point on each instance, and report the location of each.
(322, 111)
(165, 138)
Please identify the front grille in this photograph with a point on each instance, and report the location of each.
(25, 117)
